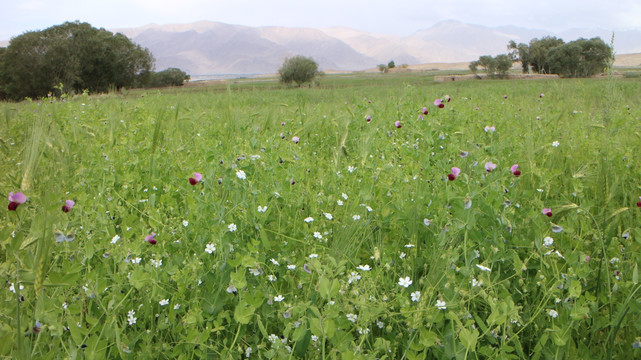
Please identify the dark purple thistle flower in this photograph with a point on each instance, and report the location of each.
(425, 111)
(68, 205)
(547, 212)
(37, 327)
(196, 179)
(151, 238)
(452, 176)
(295, 139)
(15, 200)
(398, 124)
(639, 202)
(368, 118)
(515, 170)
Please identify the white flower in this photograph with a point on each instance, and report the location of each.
(553, 314)
(339, 202)
(614, 260)
(255, 272)
(232, 227)
(364, 267)
(402, 255)
(271, 277)
(353, 277)
(356, 217)
(405, 282)
(65, 305)
(279, 298)
(177, 306)
(115, 239)
(314, 338)
(156, 263)
(309, 219)
(548, 241)
(185, 223)
(427, 222)
(291, 267)
(273, 338)
(318, 235)
(409, 245)
(164, 302)
(363, 331)
(351, 169)
(352, 317)
(380, 324)
(13, 289)
(344, 196)
(555, 144)
(476, 283)
(136, 260)
(210, 248)
(313, 256)
(262, 209)
(369, 209)
(241, 175)
(248, 352)
(416, 296)
(231, 289)
(328, 216)
(131, 319)
(484, 268)
(274, 261)
(441, 305)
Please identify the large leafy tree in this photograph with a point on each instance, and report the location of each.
(298, 69)
(73, 54)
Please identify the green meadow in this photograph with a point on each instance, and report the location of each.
(358, 241)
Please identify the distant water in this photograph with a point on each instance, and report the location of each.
(204, 77)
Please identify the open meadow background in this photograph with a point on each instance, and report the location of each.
(315, 233)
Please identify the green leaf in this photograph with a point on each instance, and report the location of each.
(469, 338)
(244, 312)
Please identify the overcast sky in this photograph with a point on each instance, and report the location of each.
(397, 17)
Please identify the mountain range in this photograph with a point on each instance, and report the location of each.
(208, 47)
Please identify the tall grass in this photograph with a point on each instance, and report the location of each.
(378, 195)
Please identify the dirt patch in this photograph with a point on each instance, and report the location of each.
(450, 78)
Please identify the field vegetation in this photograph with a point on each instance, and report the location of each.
(370, 217)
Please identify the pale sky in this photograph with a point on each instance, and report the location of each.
(395, 17)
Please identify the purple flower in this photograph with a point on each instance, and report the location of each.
(425, 111)
(151, 238)
(452, 176)
(68, 205)
(196, 179)
(368, 118)
(295, 139)
(547, 212)
(515, 170)
(505, 96)
(398, 124)
(489, 166)
(439, 103)
(282, 123)
(15, 200)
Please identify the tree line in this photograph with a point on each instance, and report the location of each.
(551, 55)
(75, 57)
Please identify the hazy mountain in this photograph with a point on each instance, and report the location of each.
(207, 47)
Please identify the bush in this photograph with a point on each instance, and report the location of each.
(299, 69)
(169, 77)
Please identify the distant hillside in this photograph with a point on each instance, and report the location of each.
(207, 47)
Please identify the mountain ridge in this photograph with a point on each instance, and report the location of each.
(209, 47)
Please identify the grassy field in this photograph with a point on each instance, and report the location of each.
(317, 234)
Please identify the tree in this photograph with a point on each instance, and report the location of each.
(73, 54)
(391, 64)
(383, 68)
(169, 77)
(493, 66)
(299, 69)
(580, 58)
